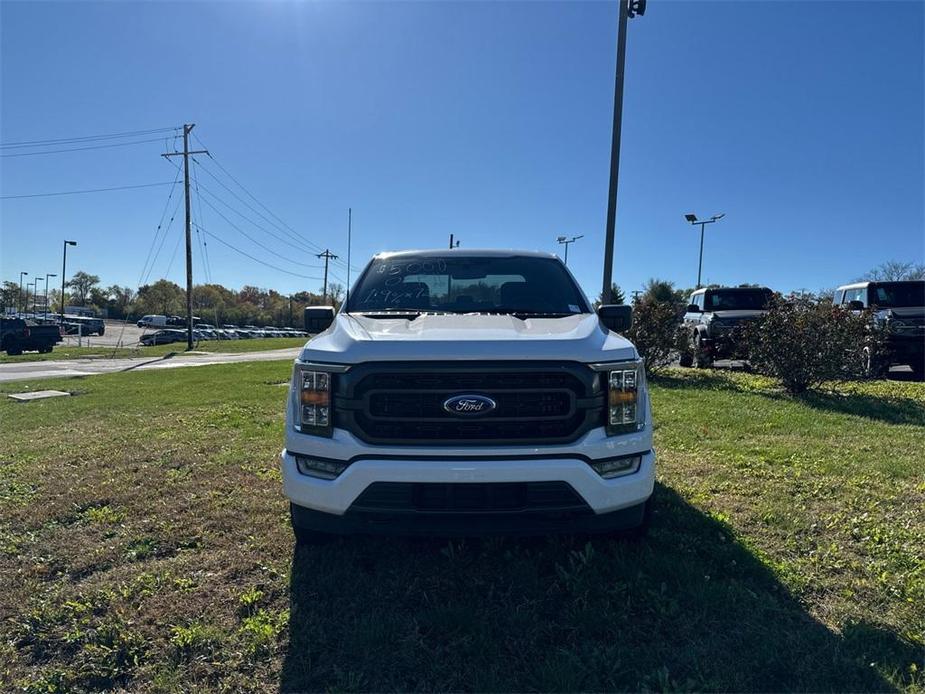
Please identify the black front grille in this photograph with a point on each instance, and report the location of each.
(404, 403)
(468, 497)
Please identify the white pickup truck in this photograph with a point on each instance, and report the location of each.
(468, 392)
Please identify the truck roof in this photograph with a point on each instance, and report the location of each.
(476, 252)
(867, 283)
(729, 289)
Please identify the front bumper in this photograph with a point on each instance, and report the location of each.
(602, 497)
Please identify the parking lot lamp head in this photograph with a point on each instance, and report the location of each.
(692, 218)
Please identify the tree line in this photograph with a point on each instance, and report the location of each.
(213, 303)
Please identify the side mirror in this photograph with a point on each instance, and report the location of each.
(693, 308)
(616, 317)
(318, 318)
(856, 305)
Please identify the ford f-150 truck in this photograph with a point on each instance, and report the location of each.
(463, 392)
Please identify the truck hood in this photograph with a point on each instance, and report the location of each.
(738, 315)
(354, 338)
(905, 313)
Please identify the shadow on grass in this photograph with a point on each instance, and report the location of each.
(688, 608)
(884, 409)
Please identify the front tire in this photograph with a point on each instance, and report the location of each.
(872, 366)
(305, 537)
(642, 530)
(703, 360)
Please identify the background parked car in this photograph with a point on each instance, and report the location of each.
(711, 328)
(163, 337)
(898, 313)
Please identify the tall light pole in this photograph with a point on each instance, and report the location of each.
(47, 275)
(628, 9)
(35, 291)
(692, 218)
(566, 240)
(64, 275)
(19, 304)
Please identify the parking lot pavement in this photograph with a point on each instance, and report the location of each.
(117, 334)
(21, 371)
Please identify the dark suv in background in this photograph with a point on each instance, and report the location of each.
(711, 327)
(898, 309)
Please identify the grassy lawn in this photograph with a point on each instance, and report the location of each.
(63, 351)
(144, 545)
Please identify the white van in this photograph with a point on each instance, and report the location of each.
(152, 322)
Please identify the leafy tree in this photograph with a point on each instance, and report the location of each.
(336, 292)
(120, 299)
(896, 271)
(82, 283)
(9, 294)
(662, 291)
(616, 296)
(162, 297)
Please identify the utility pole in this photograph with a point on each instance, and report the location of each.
(187, 129)
(628, 9)
(64, 275)
(327, 255)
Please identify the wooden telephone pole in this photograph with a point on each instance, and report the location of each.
(327, 255)
(187, 128)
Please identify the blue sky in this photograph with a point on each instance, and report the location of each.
(803, 122)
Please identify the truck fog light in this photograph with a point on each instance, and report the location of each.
(617, 467)
(322, 469)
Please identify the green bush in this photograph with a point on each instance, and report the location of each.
(803, 343)
(654, 332)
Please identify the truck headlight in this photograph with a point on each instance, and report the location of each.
(625, 411)
(314, 401)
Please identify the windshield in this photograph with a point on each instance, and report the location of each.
(461, 284)
(738, 300)
(897, 294)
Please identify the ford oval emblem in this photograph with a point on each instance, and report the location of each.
(469, 405)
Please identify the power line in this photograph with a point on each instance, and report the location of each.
(203, 244)
(294, 237)
(256, 260)
(80, 192)
(85, 138)
(80, 149)
(157, 231)
(252, 239)
(161, 246)
(311, 244)
(286, 242)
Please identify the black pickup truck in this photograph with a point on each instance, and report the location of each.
(18, 336)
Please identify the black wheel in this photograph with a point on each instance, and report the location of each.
(641, 530)
(871, 365)
(686, 360)
(702, 359)
(45, 350)
(13, 351)
(101, 332)
(305, 536)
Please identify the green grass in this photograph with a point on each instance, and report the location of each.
(63, 351)
(144, 545)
